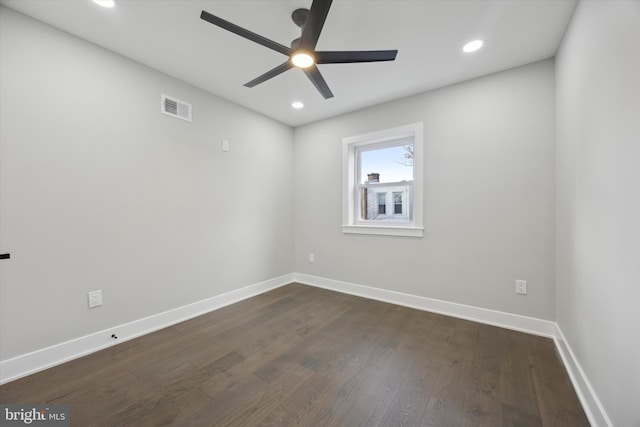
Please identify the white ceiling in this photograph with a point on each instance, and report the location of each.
(169, 36)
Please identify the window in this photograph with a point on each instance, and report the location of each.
(382, 182)
(382, 203)
(397, 203)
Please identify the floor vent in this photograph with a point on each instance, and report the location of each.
(175, 108)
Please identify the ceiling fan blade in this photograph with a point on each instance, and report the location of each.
(270, 74)
(318, 81)
(347, 57)
(315, 21)
(245, 33)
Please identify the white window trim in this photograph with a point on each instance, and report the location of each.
(349, 179)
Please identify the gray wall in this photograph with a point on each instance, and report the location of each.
(102, 191)
(598, 200)
(489, 196)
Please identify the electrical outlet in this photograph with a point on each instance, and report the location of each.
(95, 299)
(225, 145)
(312, 258)
(521, 287)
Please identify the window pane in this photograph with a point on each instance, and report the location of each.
(384, 170)
(391, 164)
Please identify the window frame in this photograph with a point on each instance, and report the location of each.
(350, 166)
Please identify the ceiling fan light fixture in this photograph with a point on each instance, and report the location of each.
(472, 46)
(105, 3)
(302, 59)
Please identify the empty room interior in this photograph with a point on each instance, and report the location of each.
(434, 221)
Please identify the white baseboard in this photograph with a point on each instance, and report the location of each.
(588, 398)
(587, 395)
(38, 360)
(491, 317)
(26, 364)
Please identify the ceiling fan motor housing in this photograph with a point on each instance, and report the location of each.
(300, 16)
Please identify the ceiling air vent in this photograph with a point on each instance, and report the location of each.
(175, 108)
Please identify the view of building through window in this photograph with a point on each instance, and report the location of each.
(386, 182)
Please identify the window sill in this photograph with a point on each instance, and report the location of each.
(383, 230)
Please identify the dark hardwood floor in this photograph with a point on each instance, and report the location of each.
(299, 355)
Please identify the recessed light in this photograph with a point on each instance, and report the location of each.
(105, 3)
(297, 105)
(472, 46)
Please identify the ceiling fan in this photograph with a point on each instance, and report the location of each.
(302, 53)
